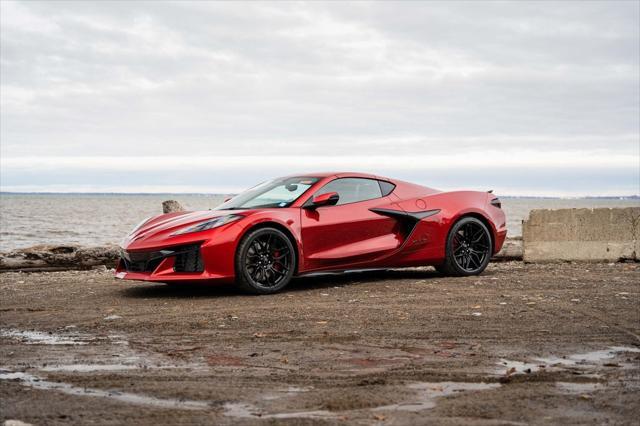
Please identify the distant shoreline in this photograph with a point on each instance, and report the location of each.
(137, 194)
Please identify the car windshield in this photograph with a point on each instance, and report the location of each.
(276, 193)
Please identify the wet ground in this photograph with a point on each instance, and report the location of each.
(521, 344)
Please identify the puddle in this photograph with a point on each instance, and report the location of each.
(594, 357)
(112, 317)
(319, 414)
(115, 355)
(578, 388)
(240, 410)
(42, 338)
(88, 368)
(429, 392)
(247, 411)
(126, 397)
(588, 359)
(118, 339)
(518, 366)
(296, 389)
(283, 392)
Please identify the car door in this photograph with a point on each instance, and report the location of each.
(348, 233)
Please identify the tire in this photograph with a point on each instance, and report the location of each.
(265, 261)
(468, 249)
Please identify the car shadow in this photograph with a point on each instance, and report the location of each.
(298, 284)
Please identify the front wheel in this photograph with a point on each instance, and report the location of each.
(265, 261)
(468, 248)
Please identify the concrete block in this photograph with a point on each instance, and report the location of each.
(582, 234)
(511, 250)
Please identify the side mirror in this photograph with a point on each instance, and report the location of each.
(326, 199)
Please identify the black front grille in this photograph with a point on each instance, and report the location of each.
(187, 259)
(141, 266)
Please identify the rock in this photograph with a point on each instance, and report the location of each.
(171, 206)
(49, 257)
(92, 256)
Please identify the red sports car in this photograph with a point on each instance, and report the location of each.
(321, 222)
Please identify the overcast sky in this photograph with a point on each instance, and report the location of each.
(526, 98)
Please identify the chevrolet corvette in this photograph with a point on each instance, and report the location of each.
(320, 222)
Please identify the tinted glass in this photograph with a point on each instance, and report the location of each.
(275, 193)
(352, 190)
(386, 187)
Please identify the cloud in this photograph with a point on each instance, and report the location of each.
(342, 81)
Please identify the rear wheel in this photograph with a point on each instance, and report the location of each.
(468, 248)
(265, 261)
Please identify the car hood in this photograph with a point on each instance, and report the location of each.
(160, 229)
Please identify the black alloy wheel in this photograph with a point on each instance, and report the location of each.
(468, 249)
(265, 261)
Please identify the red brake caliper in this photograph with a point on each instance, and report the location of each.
(276, 265)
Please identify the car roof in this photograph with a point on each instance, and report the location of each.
(339, 174)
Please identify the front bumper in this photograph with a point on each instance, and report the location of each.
(186, 258)
(180, 263)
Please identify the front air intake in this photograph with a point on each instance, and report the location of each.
(189, 260)
(141, 262)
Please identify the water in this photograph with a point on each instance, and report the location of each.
(27, 220)
(31, 219)
(243, 410)
(42, 338)
(428, 393)
(579, 360)
(39, 383)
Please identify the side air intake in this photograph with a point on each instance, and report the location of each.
(189, 261)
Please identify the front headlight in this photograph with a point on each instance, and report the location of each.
(208, 224)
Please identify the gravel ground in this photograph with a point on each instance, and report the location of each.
(521, 344)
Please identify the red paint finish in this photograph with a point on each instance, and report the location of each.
(337, 236)
(327, 237)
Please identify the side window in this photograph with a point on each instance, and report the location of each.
(352, 190)
(386, 187)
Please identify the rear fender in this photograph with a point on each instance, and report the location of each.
(429, 238)
(477, 204)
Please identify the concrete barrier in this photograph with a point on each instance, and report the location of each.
(582, 234)
(511, 250)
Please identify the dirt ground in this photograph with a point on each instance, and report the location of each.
(521, 344)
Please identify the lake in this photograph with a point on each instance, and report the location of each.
(95, 219)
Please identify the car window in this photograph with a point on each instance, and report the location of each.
(352, 190)
(386, 187)
(280, 192)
